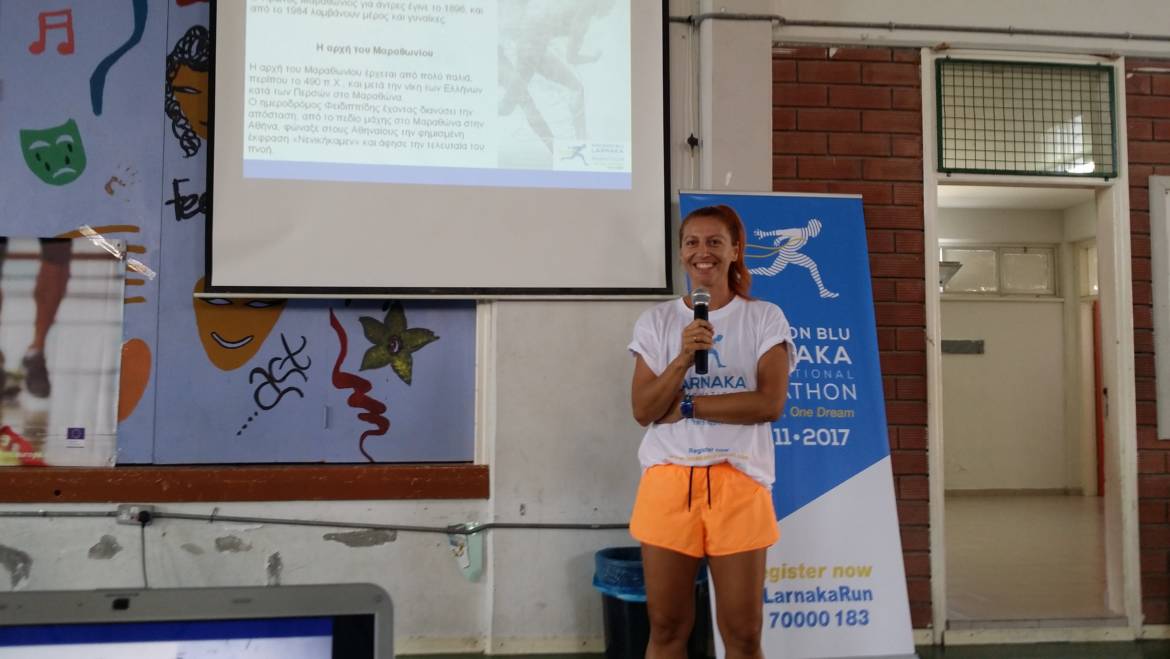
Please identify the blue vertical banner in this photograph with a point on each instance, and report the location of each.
(835, 583)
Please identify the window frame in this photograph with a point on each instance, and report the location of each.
(999, 249)
(974, 58)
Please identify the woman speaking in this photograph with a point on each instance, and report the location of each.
(707, 455)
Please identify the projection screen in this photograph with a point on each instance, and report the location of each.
(457, 147)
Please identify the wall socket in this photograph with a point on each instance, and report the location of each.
(128, 512)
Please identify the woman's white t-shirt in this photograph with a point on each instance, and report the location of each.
(744, 331)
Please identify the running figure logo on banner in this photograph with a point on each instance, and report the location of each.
(786, 249)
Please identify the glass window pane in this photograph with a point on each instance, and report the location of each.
(1089, 278)
(1028, 271)
(977, 274)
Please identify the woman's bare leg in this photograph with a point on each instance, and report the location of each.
(670, 600)
(739, 605)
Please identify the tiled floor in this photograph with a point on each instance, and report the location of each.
(1016, 558)
(1142, 650)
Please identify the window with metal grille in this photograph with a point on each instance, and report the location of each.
(1025, 118)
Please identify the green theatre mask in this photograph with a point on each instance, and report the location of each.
(55, 155)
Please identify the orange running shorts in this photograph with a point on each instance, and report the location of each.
(711, 510)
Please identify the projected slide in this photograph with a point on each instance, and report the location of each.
(510, 93)
(405, 145)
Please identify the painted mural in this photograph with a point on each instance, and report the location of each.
(103, 122)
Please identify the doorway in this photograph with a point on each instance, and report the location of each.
(1027, 520)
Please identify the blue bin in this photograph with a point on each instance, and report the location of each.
(618, 576)
(617, 572)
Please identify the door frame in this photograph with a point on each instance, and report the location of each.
(1114, 262)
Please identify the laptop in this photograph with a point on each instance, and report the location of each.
(330, 621)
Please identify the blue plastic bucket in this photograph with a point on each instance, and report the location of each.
(617, 572)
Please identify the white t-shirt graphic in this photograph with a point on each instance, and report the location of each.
(744, 331)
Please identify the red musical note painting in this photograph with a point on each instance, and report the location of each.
(54, 20)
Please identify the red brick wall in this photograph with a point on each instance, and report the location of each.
(1147, 102)
(849, 120)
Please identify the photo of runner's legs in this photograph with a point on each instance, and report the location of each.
(60, 345)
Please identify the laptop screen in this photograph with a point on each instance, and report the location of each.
(295, 622)
(271, 638)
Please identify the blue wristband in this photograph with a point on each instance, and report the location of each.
(687, 407)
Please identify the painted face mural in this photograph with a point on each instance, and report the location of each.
(190, 88)
(55, 155)
(186, 88)
(232, 330)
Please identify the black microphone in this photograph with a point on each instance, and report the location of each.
(700, 298)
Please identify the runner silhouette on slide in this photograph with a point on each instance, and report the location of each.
(539, 24)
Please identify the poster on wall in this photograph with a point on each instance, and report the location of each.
(835, 582)
(60, 346)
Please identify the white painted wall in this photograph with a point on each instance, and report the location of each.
(1071, 363)
(994, 225)
(1080, 416)
(1004, 415)
(1080, 222)
(1132, 16)
(1003, 411)
(1086, 412)
(565, 451)
(430, 597)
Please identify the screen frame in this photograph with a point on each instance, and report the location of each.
(345, 602)
(439, 292)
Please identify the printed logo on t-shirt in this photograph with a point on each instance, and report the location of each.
(711, 381)
(714, 352)
(714, 380)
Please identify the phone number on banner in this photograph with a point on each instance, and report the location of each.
(810, 436)
(815, 618)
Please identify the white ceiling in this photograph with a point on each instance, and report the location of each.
(980, 196)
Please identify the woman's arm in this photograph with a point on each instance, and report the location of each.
(765, 404)
(652, 395)
(655, 396)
